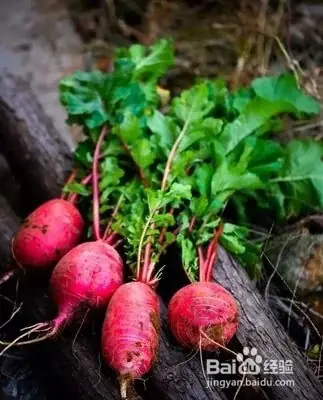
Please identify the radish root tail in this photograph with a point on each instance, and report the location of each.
(126, 390)
(7, 276)
(49, 329)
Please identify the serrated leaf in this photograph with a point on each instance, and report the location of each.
(156, 62)
(143, 153)
(162, 126)
(199, 206)
(129, 130)
(193, 104)
(189, 258)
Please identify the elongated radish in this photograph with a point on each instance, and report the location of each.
(203, 314)
(88, 274)
(130, 334)
(130, 331)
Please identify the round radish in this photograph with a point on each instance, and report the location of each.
(48, 234)
(130, 331)
(89, 274)
(203, 314)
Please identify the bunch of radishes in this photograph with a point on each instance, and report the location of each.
(161, 173)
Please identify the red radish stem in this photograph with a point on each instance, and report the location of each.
(90, 273)
(70, 179)
(95, 175)
(204, 313)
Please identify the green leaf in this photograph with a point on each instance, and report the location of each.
(199, 206)
(274, 96)
(77, 188)
(241, 98)
(162, 126)
(129, 130)
(253, 116)
(176, 194)
(111, 173)
(143, 153)
(235, 240)
(266, 158)
(83, 153)
(80, 94)
(230, 178)
(284, 88)
(203, 179)
(170, 238)
(302, 176)
(189, 257)
(193, 104)
(154, 63)
(153, 198)
(212, 126)
(194, 134)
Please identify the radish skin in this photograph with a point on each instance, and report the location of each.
(48, 234)
(130, 333)
(203, 307)
(88, 274)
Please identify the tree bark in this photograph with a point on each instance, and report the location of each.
(260, 329)
(34, 150)
(9, 223)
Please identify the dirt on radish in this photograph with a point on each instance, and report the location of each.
(48, 234)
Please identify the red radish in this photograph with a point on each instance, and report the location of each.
(130, 331)
(130, 334)
(47, 234)
(204, 314)
(88, 274)
(203, 307)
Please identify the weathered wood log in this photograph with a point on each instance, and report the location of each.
(8, 185)
(260, 329)
(30, 142)
(8, 226)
